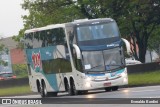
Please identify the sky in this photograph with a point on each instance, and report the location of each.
(10, 17)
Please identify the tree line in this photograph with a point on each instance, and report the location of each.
(137, 19)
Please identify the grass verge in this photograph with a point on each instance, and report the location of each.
(148, 78)
(19, 90)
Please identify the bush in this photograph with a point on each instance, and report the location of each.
(20, 70)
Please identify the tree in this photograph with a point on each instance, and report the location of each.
(1, 47)
(136, 18)
(46, 12)
(154, 42)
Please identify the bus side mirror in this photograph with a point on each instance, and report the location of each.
(77, 50)
(127, 45)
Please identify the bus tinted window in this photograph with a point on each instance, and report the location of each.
(54, 37)
(29, 40)
(59, 65)
(37, 40)
(98, 31)
(45, 38)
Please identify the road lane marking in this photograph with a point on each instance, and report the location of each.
(145, 91)
(126, 90)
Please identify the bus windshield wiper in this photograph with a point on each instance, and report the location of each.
(113, 65)
(96, 66)
(118, 66)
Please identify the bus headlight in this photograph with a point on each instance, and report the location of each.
(124, 74)
(88, 84)
(125, 80)
(89, 78)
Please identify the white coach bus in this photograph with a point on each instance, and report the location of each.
(75, 57)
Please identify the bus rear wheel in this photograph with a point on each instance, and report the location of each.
(52, 94)
(43, 90)
(73, 90)
(68, 89)
(83, 92)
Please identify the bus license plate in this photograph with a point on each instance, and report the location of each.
(107, 84)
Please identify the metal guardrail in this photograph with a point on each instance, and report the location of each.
(139, 68)
(14, 82)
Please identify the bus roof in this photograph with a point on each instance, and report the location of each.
(45, 28)
(80, 21)
(75, 22)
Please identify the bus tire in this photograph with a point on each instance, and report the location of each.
(115, 88)
(67, 88)
(108, 89)
(52, 94)
(83, 92)
(38, 86)
(43, 90)
(73, 88)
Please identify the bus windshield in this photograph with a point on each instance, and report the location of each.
(105, 60)
(97, 31)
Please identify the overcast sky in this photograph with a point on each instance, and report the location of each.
(10, 17)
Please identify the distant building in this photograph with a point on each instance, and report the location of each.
(17, 55)
(9, 43)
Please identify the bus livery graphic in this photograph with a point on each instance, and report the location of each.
(36, 59)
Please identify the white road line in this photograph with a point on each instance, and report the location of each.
(152, 97)
(144, 91)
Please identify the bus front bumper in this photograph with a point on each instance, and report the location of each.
(95, 84)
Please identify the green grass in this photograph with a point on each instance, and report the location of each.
(15, 91)
(149, 78)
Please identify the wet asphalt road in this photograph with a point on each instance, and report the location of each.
(100, 98)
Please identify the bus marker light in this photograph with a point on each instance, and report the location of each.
(88, 78)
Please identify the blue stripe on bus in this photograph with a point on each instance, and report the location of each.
(117, 72)
(52, 80)
(120, 71)
(100, 74)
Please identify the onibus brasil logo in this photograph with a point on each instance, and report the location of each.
(36, 59)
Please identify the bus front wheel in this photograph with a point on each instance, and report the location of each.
(107, 89)
(115, 88)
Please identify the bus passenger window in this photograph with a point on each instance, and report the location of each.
(29, 40)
